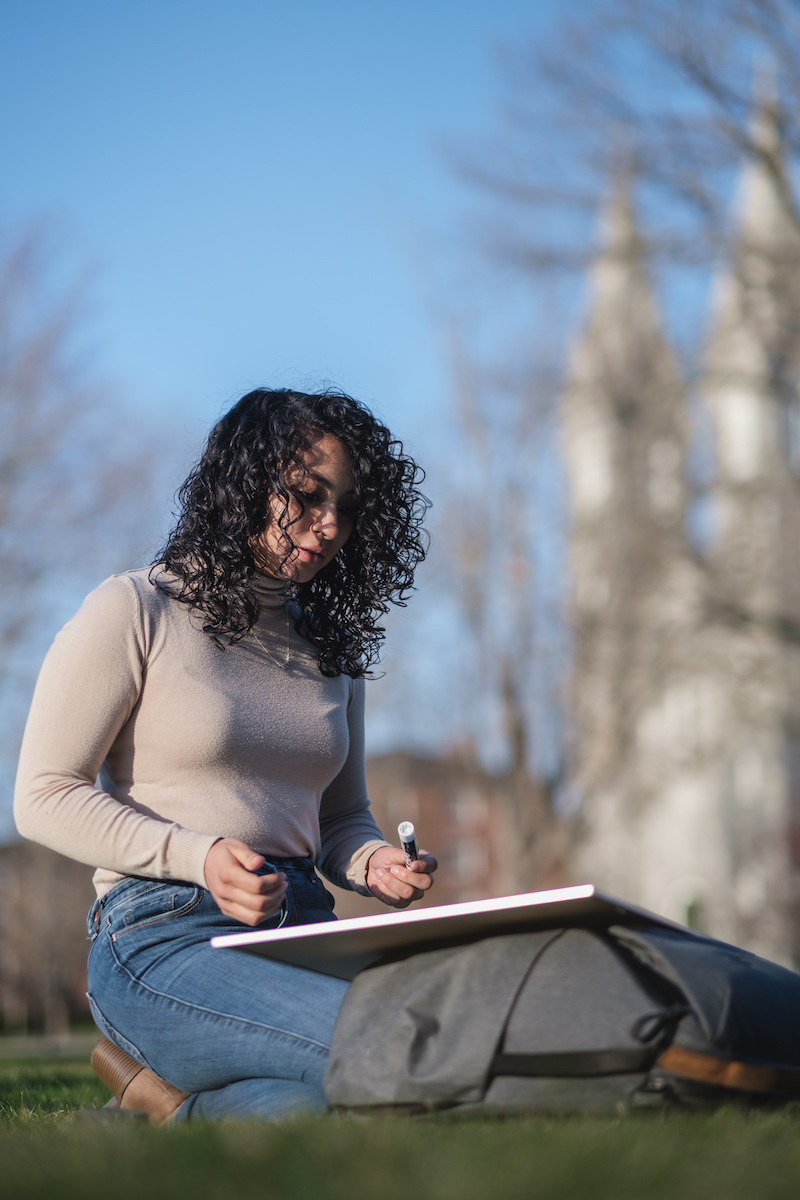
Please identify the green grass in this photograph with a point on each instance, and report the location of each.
(45, 1091)
(46, 1153)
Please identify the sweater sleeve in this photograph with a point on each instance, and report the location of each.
(348, 831)
(88, 688)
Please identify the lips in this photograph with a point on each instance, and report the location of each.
(310, 556)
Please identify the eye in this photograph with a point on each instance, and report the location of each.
(350, 511)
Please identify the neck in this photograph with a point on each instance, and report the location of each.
(271, 591)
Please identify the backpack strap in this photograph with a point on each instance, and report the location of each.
(706, 1068)
(652, 1028)
(726, 1072)
(576, 1063)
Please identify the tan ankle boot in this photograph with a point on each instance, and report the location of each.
(136, 1088)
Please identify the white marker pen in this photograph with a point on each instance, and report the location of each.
(408, 841)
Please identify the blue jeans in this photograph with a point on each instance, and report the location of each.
(246, 1037)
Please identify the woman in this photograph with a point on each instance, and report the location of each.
(197, 735)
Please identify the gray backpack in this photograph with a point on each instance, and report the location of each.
(568, 1020)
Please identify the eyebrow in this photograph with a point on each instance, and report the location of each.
(326, 482)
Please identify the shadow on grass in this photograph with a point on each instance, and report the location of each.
(37, 1092)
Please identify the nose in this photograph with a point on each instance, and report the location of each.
(326, 522)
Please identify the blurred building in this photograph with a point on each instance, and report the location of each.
(685, 583)
(460, 813)
(463, 815)
(44, 899)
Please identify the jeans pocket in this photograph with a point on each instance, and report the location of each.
(155, 903)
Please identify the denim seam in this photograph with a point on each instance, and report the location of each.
(163, 919)
(107, 1029)
(120, 900)
(200, 1008)
(107, 910)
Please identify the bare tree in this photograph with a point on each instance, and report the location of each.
(74, 475)
(681, 95)
(44, 899)
(664, 92)
(665, 88)
(76, 492)
(499, 490)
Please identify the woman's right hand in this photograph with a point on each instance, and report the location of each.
(240, 894)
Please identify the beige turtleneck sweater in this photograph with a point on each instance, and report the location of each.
(146, 743)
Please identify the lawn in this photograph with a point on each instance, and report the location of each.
(46, 1153)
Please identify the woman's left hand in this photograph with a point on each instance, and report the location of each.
(390, 880)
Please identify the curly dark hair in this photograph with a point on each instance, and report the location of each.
(224, 508)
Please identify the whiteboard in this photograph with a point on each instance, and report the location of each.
(343, 948)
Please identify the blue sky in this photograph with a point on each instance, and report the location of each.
(256, 193)
(257, 188)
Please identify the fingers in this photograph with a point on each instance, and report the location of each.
(401, 884)
(242, 854)
(252, 908)
(249, 917)
(390, 880)
(426, 863)
(240, 894)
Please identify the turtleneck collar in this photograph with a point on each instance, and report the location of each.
(271, 592)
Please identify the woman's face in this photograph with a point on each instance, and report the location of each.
(312, 539)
